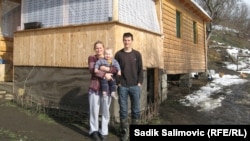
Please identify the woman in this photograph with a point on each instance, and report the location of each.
(96, 99)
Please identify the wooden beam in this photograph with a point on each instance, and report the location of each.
(115, 11)
(16, 1)
(1, 12)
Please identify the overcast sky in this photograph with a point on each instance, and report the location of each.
(247, 2)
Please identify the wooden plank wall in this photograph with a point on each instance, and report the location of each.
(149, 44)
(181, 55)
(43, 51)
(6, 59)
(62, 47)
(70, 46)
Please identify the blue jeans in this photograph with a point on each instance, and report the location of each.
(134, 94)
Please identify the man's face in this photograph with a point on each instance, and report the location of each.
(127, 41)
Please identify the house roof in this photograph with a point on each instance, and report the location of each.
(197, 9)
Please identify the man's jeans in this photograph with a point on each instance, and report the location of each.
(134, 94)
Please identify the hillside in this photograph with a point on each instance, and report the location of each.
(229, 37)
(220, 39)
(217, 56)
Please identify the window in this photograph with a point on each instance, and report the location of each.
(178, 24)
(195, 31)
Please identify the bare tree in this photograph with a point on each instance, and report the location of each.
(230, 13)
(248, 28)
(238, 19)
(218, 9)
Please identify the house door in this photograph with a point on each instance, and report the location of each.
(152, 85)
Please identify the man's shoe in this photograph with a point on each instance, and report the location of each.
(103, 137)
(124, 135)
(95, 136)
(124, 130)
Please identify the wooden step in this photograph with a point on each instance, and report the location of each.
(2, 92)
(9, 97)
(6, 96)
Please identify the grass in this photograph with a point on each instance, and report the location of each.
(12, 136)
(155, 121)
(230, 39)
(46, 118)
(9, 104)
(40, 115)
(18, 136)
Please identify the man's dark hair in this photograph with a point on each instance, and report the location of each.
(128, 34)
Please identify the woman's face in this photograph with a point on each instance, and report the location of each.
(99, 49)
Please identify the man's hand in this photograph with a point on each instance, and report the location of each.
(108, 76)
(119, 73)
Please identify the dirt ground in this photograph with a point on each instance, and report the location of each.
(19, 124)
(16, 124)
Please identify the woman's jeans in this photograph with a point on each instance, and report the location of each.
(134, 93)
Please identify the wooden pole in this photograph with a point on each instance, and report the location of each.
(1, 34)
(115, 11)
(237, 62)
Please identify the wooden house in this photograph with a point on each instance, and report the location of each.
(53, 39)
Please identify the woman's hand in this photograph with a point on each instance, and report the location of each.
(104, 68)
(108, 76)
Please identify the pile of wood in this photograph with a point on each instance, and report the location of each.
(6, 59)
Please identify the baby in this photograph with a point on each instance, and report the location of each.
(108, 60)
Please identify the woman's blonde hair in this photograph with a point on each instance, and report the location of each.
(108, 48)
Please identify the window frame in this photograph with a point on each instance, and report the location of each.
(195, 33)
(178, 24)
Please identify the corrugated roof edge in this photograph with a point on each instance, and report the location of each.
(202, 10)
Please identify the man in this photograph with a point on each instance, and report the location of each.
(129, 83)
